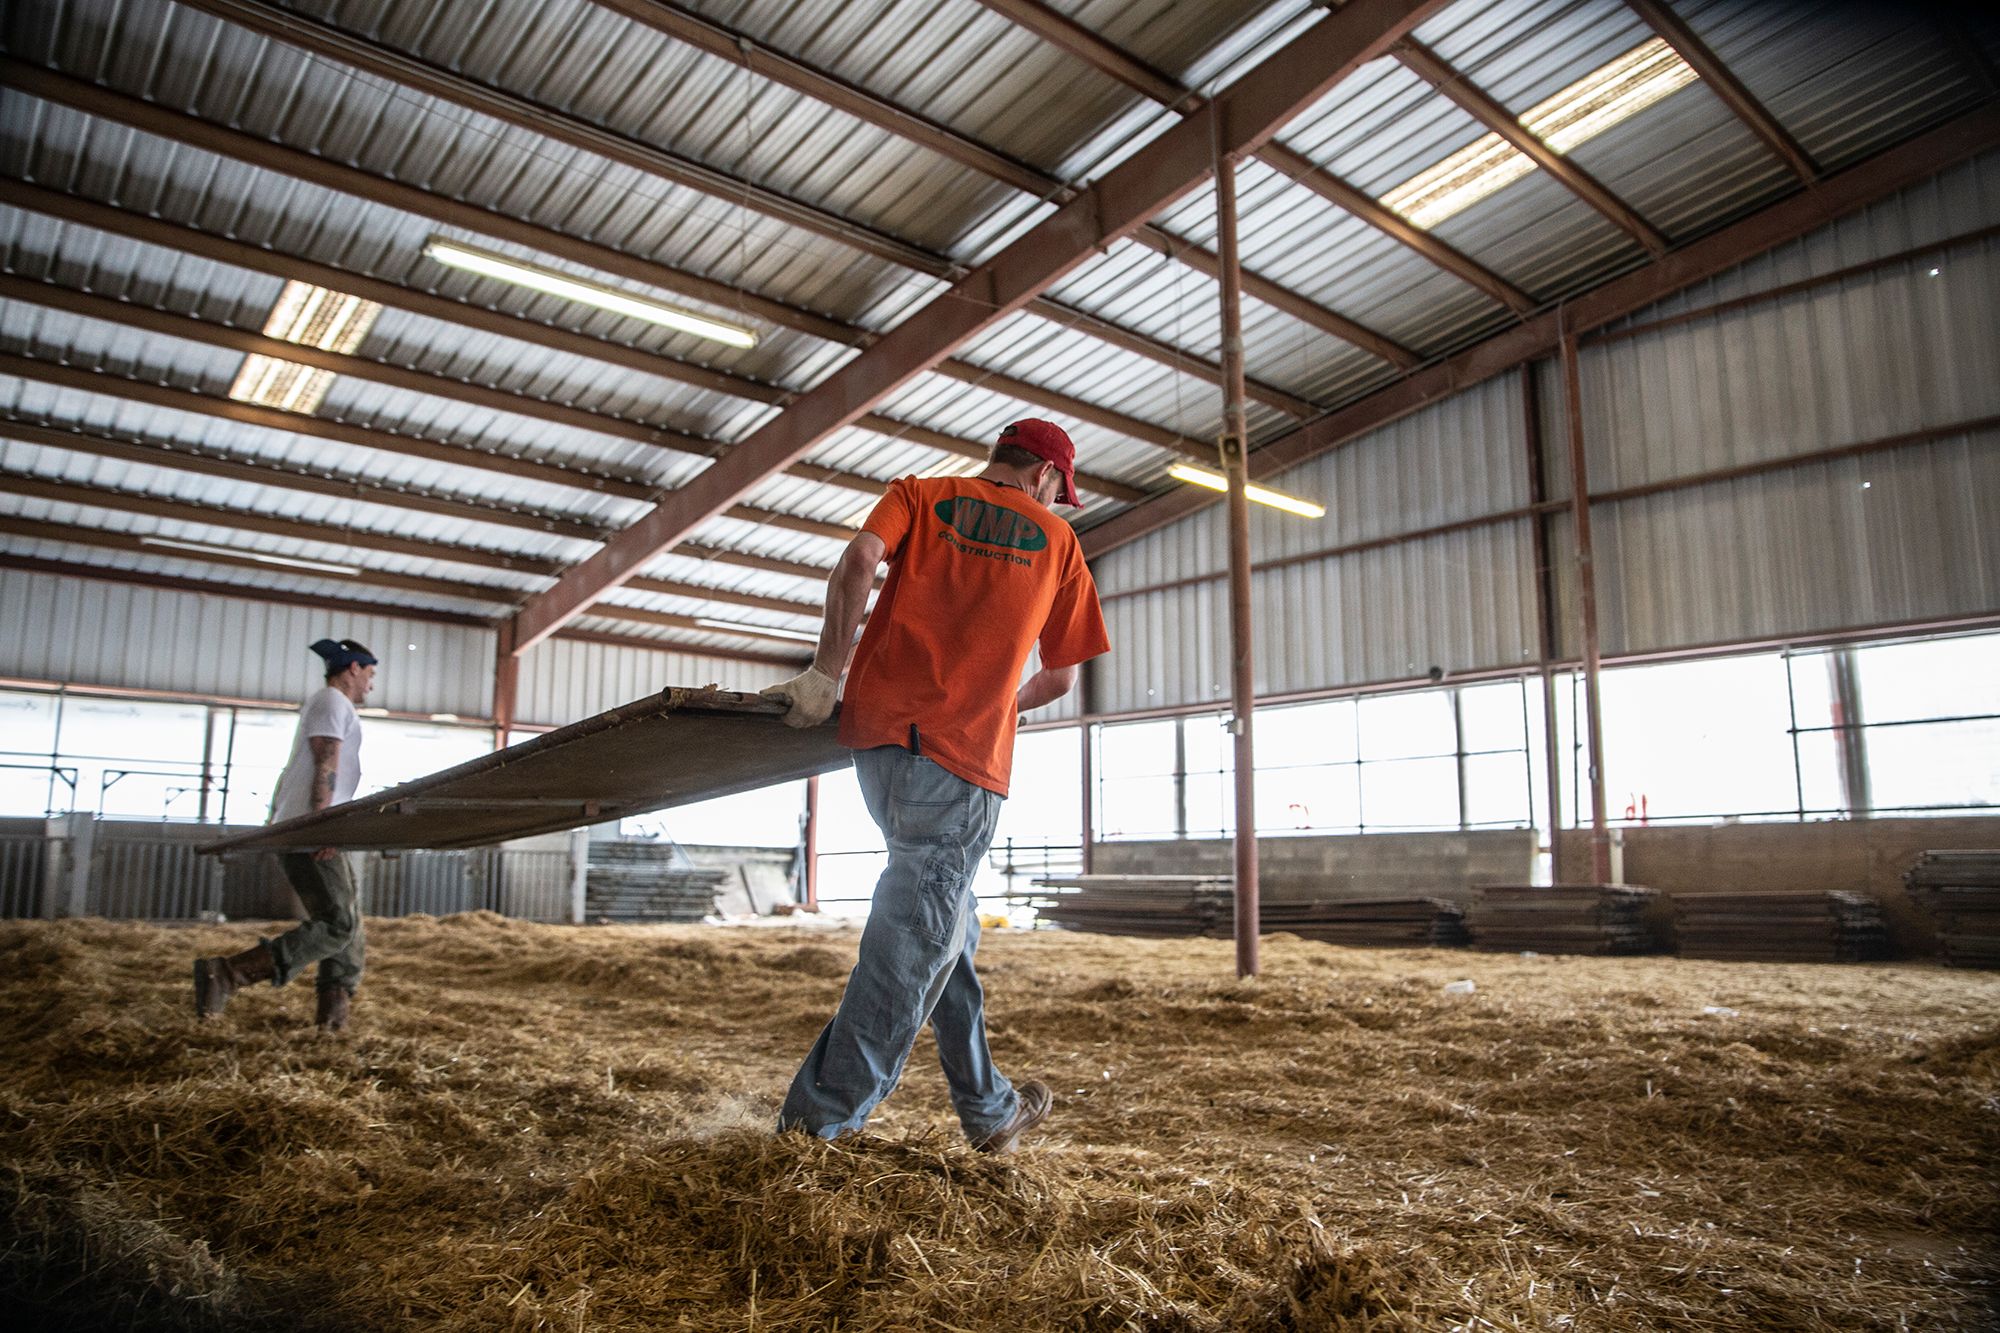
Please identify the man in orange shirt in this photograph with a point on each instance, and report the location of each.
(981, 572)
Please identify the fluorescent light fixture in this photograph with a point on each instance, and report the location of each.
(313, 317)
(1585, 109)
(289, 562)
(1263, 495)
(547, 280)
(761, 631)
(446, 717)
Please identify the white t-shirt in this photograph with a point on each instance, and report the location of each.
(328, 713)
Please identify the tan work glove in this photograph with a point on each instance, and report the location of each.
(810, 693)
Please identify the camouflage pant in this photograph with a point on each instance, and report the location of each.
(331, 935)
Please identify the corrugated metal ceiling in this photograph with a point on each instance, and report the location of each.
(1847, 82)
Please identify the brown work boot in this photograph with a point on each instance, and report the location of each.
(1035, 1102)
(331, 1014)
(216, 979)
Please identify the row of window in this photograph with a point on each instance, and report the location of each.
(1885, 729)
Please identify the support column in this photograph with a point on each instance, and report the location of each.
(506, 685)
(811, 876)
(1235, 466)
(1089, 823)
(1545, 608)
(1586, 601)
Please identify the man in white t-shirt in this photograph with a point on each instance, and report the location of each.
(324, 770)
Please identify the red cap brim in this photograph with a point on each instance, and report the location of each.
(1067, 495)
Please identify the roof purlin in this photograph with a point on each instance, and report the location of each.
(1236, 121)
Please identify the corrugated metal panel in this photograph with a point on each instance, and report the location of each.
(1461, 602)
(1905, 536)
(563, 681)
(80, 631)
(1876, 355)
(1457, 459)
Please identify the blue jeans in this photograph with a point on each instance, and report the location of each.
(916, 958)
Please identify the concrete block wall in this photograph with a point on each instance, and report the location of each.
(1368, 865)
(1856, 855)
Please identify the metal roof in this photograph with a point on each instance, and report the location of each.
(821, 173)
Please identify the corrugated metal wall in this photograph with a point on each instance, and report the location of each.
(86, 632)
(564, 680)
(1906, 535)
(1896, 537)
(1460, 601)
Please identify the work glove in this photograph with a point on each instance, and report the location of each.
(810, 693)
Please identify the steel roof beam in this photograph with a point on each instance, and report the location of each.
(132, 315)
(172, 236)
(1836, 195)
(1673, 29)
(1063, 32)
(1167, 169)
(179, 511)
(265, 593)
(103, 539)
(90, 380)
(149, 118)
(1427, 65)
(182, 511)
(191, 458)
(1204, 261)
(258, 593)
(400, 67)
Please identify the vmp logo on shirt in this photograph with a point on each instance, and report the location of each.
(975, 520)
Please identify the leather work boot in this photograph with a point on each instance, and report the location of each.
(331, 1014)
(1035, 1103)
(216, 979)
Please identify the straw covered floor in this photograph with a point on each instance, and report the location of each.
(535, 1127)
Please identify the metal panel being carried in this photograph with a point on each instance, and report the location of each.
(672, 748)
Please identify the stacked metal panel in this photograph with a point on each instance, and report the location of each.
(1156, 905)
(1169, 905)
(639, 882)
(1961, 891)
(1830, 927)
(1567, 918)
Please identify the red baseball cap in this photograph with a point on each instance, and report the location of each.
(1048, 441)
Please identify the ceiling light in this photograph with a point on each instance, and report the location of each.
(290, 562)
(583, 290)
(313, 317)
(761, 631)
(1585, 109)
(1263, 495)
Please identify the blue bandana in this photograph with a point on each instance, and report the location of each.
(342, 655)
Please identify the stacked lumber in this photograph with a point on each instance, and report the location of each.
(1189, 905)
(1403, 923)
(1830, 927)
(1153, 905)
(1961, 892)
(640, 882)
(1564, 918)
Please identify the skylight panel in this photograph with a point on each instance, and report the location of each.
(1580, 112)
(313, 317)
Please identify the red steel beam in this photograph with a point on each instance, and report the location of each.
(1837, 195)
(89, 380)
(187, 458)
(400, 67)
(1063, 32)
(1432, 69)
(1721, 81)
(105, 103)
(1242, 636)
(1168, 168)
(171, 236)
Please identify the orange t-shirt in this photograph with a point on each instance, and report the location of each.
(978, 574)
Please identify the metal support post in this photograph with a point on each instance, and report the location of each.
(1235, 466)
